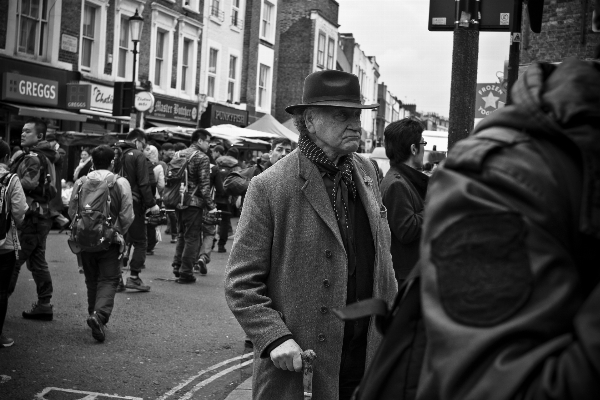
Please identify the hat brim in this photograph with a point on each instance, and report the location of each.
(331, 103)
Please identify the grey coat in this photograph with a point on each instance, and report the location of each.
(288, 262)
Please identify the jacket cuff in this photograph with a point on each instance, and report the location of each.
(263, 341)
(267, 351)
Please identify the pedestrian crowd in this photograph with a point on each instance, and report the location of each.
(475, 279)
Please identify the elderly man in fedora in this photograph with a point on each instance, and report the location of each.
(313, 236)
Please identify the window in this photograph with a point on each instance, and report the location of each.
(123, 47)
(232, 76)
(266, 29)
(235, 14)
(321, 50)
(330, 52)
(263, 78)
(160, 57)
(212, 72)
(215, 10)
(185, 64)
(88, 36)
(33, 26)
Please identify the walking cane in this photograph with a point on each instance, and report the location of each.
(307, 370)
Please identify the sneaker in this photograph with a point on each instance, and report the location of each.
(248, 342)
(43, 312)
(176, 272)
(202, 267)
(197, 267)
(173, 240)
(121, 286)
(222, 249)
(95, 322)
(149, 252)
(186, 279)
(136, 283)
(5, 341)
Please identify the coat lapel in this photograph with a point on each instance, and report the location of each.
(314, 190)
(365, 185)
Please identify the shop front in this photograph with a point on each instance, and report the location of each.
(32, 90)
(171, 112)
(219, 114)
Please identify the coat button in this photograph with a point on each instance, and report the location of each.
(326, 283)
(321, 337)
(324, 310)
(328, 253)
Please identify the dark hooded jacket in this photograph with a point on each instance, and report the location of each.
(226, 165)
(510, 248)
(28, 166)
(133, 166)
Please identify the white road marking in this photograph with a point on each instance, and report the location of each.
(88, 395)
(204, 371)
(205, 382)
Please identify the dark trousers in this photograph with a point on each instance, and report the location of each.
(7, 265)
(33, 251)
(151, 234)
(224, 224)
(172, 221)
(137, 236)
(188, 240)
(102, 275)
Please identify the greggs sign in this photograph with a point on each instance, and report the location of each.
(28, 89)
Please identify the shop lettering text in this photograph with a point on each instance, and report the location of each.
(487, 88)
(230, 117)
(101, 97)
(35, 89)
(29, 89)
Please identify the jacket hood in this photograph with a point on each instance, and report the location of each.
(45, 148)
(559, 102)
(227, 161)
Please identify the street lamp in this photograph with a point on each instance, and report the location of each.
(136, 23)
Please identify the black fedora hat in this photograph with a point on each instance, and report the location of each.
(331, 89)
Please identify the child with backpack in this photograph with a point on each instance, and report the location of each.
(101, 208)
(12, 212)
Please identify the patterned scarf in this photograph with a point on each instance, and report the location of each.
(318, 157)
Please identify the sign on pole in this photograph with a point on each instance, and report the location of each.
(490, 97)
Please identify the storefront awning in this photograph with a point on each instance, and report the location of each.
(106, 116)
(51, 113)
(161, 122)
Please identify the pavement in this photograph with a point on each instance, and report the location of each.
(242, 392)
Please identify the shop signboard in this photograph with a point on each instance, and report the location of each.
(174, 109)
(144, 101)
(78, 96)
(218, 114)
(29, 89)
(102, 97)
(489, 98)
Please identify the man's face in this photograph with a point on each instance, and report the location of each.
(170, 153)
(281, 150)
(29, 135)
(335, 130)
(418, 158)
(215, 154)
(204, 144)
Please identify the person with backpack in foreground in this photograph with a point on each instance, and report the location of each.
(312, 236)
(131, 164)
(12, 213)
(188, 190)
(35, 169)
(102, 207)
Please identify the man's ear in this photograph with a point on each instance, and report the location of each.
(40, 136)
(309, 119)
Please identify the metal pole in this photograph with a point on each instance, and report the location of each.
(465, 56)
(515, 49)
(133, 80)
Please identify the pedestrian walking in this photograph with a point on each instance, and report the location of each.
(133, 166)
(312, 236)
(35, 169)
(196, 199)
(85, 164)
(403, 191)
(109, 195)
(158, 172)
(511, 284)
(226, 164)
(12, 213)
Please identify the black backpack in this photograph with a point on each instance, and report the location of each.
(396, 367)
(6, 221)
(44, 191)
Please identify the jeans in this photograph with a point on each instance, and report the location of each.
(151, 234)
(188, 240)
(172, 222)
(208, 236)
(33, 251)
(7, 265)
(225, 223)
(102, 275)
(136, 235)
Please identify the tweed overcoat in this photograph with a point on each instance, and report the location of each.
(288, 268)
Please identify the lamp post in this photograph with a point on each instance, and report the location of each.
(136, 23)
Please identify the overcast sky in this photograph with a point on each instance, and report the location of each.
(415, 64)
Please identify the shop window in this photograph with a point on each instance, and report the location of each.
(232, 78)
(159, 60)
(321, 50)
(33, 27)
(186, 71)
(263, 80)
(267, 21)
(88, 36)
(124, 42)
(330, 53)
(212, 72)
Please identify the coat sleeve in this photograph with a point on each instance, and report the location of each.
(29, 172)
(506, 310)
(18, 202)
(248, 270)
(404, 218)
(126, 207)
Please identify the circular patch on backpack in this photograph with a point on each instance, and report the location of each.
(483, 268)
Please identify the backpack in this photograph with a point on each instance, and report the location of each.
(236, 183)
(6, 221)
(44, 191)
(92, 229)
(396, 366)
(176, 183)
(222, 174)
